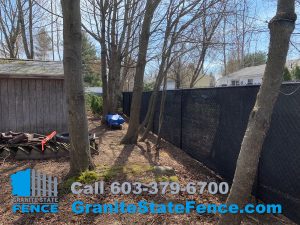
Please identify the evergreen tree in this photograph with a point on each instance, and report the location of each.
(286, 74)
(43, 44)
(254, 59)
(91, 72)
(251, 59)
(296, 73)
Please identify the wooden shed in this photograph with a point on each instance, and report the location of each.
(32, 97)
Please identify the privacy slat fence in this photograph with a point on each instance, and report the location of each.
(209, 124)
(32, 105)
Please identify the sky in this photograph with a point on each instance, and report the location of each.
(266, 9)
(262, 11)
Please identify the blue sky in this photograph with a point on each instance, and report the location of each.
(266, 10)
(262, 11)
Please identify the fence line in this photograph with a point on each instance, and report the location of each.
(209, 124)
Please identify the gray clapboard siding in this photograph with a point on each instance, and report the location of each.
(4, 104)
(32, 105)
(11, 95)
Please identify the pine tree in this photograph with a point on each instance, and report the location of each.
(254, 59)
(296, 73)
(89, 55)
(287, 75)
(43, 44)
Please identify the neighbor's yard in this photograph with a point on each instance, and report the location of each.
(121, 163)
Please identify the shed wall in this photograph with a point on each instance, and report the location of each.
(32, 105)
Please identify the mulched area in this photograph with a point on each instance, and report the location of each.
(120, 163)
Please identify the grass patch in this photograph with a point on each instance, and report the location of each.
(109, 173)
(86, 177)
(166, 178)
(173, 179)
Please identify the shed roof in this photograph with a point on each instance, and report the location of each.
(31, 69)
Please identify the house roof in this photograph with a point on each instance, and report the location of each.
(31, 69)
(254, 71)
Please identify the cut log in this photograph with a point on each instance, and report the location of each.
(19, 139)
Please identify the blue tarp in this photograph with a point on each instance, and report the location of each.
(114, 120)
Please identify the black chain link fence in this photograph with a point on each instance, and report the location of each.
(209, 124)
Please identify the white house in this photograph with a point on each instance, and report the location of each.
(249, 75)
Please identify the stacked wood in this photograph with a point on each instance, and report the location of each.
(28, 146)
(18, 138)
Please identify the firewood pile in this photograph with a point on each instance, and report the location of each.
(29, 146)
(11, 138)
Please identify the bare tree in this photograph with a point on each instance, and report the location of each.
(80, 156)
(9, 28)
(177, 24)
(27, 45)
(103, 9)
(132, 132)
(118, 21)
(239, 27)
(281, 28)
(210, 21)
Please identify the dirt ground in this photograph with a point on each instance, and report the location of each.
(117, 162)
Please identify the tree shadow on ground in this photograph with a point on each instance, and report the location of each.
(192, 165)
(121, 161)
(147, 153)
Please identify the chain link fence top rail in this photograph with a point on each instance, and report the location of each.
(209, 124)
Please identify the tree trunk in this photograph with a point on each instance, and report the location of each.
(30, 27)
(281, 28)
(103, 61)
(104, 78)
(161, 114)
(28, 51)
(52, 31)
(132, 132)
(113, 70)
(80, 157)
(153, 100)
(23, 29)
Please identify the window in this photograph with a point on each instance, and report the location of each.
(250, 81)
(235, 82)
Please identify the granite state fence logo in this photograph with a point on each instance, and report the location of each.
(34, 192)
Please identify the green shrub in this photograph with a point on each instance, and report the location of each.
(287, 75)
(88, 99)
(296, 73)
(92, 80)
(94, 103)
(88, 177)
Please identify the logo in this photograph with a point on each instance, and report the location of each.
(34, 192)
